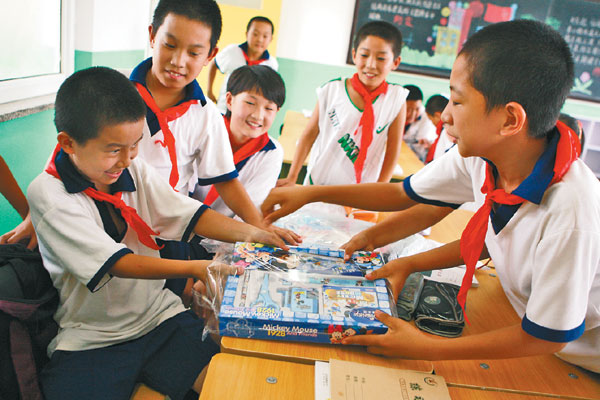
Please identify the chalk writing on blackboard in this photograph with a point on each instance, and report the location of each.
(435, 30)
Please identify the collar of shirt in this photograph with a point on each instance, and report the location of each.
(533, 187)
(192, 92)
(265, 55)
(75, 182)
(269, 146)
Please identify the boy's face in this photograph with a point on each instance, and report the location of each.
(103, 158)
(465, 117)
(180, 49)
(259, 36)
(412, 110)
(251, 115)
(374, 59)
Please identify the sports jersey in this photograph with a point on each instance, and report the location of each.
(80, 243)
(231, 58)
(258, 174)
(336, 147)
(545, 250)
(201, 142)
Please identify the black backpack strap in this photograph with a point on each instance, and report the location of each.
(23, 361)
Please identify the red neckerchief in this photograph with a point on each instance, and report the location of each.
(431, 152)
(473, 237)
(250, 62)
(163, 118)
(249, 149)
(128, 213)
(367, 121)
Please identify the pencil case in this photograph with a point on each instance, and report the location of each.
(438, 311)
(409, 296)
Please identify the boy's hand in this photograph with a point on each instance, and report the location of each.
(287, 235)
(22, 232)
(401, 340)
(289, 199)
(285, 182)
(360, 241)
(267, 237)
(396, 272)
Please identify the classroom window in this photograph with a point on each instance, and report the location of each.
(36, 51)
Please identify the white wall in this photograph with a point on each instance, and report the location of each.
(111, 25)
(315, 30)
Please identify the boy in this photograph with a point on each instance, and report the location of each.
(184, 136)
(95, 210)
(254, 95)
(434, 107)
(259, 34)
(419, 132)
(355, 132)
(542, 236)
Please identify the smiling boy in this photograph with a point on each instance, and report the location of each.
(185, 139)
(259, 34)
(540, 218)
(355, 131)
(97, 210)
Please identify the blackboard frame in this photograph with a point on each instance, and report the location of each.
(439, 72)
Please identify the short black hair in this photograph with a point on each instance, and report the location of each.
(524, 61)
(259, 78)
(383, 30)
(205, 11)
(436, 103)
(93, 98)
(414, 93)
(260, 19)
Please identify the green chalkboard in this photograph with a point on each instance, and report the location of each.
(434, 31)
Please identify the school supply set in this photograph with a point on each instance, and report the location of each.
(305, 294)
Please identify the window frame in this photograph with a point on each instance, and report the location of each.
(22, 93)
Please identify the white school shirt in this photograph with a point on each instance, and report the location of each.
(258, 174)
(421, 129)
(202, 144)
(97, 309)
(443, 145)
(546, 256)
(231, 58)
(330, 161)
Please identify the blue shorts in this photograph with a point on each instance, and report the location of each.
(167, 359)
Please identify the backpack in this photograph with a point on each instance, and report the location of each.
(28, 301)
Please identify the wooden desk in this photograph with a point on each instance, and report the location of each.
(250, 379)
(236, 377)
(294, 123)
(489, 309)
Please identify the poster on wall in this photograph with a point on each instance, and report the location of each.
(435, 30)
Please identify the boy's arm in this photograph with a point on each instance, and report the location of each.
(366, 196)
(397, 226)
(212, 73)
(235, 196)
(144, 267)
(406, 341)
(392, 148)
(303, 147)
(11, 190)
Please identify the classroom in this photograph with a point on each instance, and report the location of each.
(312, 44)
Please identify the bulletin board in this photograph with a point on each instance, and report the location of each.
(434, 31)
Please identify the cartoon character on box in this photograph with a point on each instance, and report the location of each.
(335, 333)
